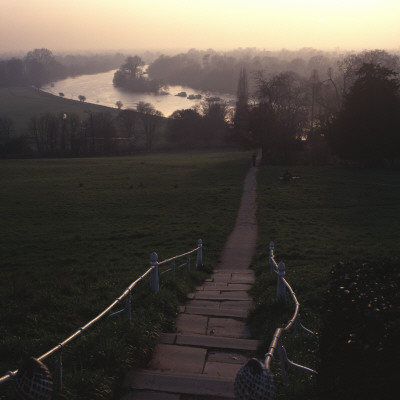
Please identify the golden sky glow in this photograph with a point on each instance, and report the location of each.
(202, 24)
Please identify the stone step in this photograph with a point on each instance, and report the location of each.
(220, 295)
(224, 286)
(210, 341)
(233, 313)
(189, 384)
(217, 342)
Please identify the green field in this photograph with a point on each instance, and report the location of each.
(22, 103)
(77, 232)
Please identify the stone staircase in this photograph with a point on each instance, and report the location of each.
(212, 342)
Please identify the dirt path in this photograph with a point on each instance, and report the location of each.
(212, 342)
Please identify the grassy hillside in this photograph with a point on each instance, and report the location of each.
(76, 232)
(21, 103)
(330, 214)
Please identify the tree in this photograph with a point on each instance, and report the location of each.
(131, 76)
(214, 123)
(42, 67)
(185, 128)
(82, 98)
(127, 120)
(281, 116)
(119, 104)
(367, 129)
(241, 117)
(150, 118)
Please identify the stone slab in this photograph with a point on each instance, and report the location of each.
(202, 385)
(190, 323)
(221, 369)
(237, 286)
(230, 357)
(222, 277)
(217, 342)
(217, 312)
(235, 295)
(203, 304)
(216, 285)
(218, 295)
(237, 305)
(173, 358)
(228, 327)
(167, 338)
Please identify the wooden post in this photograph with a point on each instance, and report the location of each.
(199, 260)
(281, 288)
(154, 282)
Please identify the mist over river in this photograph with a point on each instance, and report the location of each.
(99, 89)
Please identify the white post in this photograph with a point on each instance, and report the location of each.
(154, 283)
(59, 371)
(199, 260)
(271, 255)
(281, 288)
(282, 361)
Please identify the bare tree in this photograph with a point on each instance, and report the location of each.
(150, 118)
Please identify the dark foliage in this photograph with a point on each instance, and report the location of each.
(130, 76)
(367, 128)
(204, 127)
(361, 327)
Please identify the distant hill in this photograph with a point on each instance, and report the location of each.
(22, 103)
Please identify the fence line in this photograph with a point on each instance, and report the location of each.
(276, 343)
(154, 285)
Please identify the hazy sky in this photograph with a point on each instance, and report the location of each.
(184, 24)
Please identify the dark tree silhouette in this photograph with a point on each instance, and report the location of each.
(185, 128)
(150, 118)
(241, 117)
(281, 116)
(130, 76)
(127, 120)
(368, 127)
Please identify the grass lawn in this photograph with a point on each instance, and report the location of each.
(76, 232)
(330, 214)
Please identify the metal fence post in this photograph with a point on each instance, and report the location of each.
(282, 361)
(271, 255)
(199, 260)
(154, 281)
(129, 305)
(59, 372)
(281, 288)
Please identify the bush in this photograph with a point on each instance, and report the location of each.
(360, 326)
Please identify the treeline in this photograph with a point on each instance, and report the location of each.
(40, 66)
(218, 71)
(98, 133)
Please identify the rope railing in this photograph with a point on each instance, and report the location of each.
(154, 285)
(255, 379)
(276, 343)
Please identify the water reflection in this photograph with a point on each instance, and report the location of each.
(99, 89)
